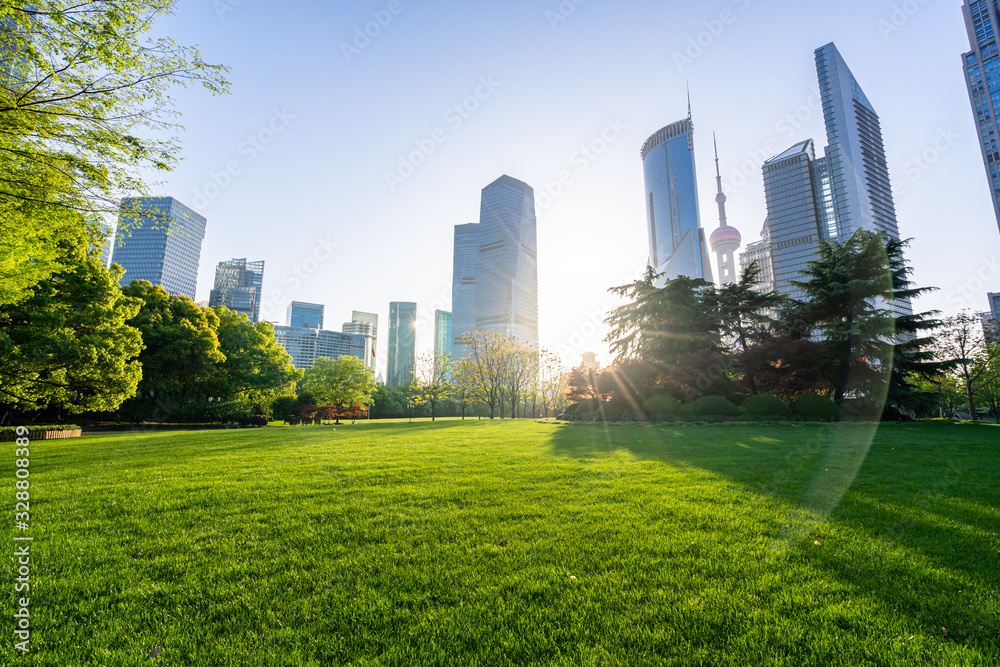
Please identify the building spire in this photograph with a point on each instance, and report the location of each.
(689, 99)
(721, 197)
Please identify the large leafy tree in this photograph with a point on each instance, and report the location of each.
(339, 385)
(968, 348)
(432, 380)
(68, 344)
(84, 113)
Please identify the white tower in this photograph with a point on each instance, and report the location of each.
(726, 240)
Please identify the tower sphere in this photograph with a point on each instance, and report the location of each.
(726, 239)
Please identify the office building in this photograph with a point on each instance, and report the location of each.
(365, 325)
(301, 315)
(402, 343)
(463, 293)
(305, 345)
(995, 306)
(159, 240)
(442, 333)
(238, 286)
(725, 240)
(760, 252)
(496, 267)
(982, 77)
(677, 242)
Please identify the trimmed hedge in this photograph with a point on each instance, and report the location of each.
(590, 405)
(685, 411)
(714, 406)
(767, 406)
(570, 410)
(815, 408)
(661, 404)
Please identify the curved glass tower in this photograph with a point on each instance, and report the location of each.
(677, 244)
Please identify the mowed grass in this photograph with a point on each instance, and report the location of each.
(516, 543)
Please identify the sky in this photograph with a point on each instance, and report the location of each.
(344, 159)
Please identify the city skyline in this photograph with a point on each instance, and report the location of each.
(238, 285)
(596, 219)
(982, 66)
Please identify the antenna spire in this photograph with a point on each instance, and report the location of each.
(689, 99)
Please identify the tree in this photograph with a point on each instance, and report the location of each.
(339, 384)
(551, 381)
(431, 380)
(520, 373)
(486, 367)
(467, 386)
(68, 345)
(988, 388)
(181, 356)
(963, 345)
(83, 112)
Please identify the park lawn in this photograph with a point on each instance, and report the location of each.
(503, 543)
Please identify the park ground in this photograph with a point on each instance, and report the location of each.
(515, 543)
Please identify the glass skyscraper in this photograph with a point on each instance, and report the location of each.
(402, 343)
(500, 293)
(159, 240)
(366, 325)
(301, 315)
(677, 243)
(305, 345)
(982, 76)
(238, 287)
(442, 333)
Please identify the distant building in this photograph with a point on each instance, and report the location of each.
(306, 345)
(301, 315)
(442, 333)
(366, 325)
(159, 240)
(995, 306)
(238, 286)
(590, 361)
(463, 292)
(402, 343)
(760, 252)
(981, 64)
(677, 242)
(725, 240)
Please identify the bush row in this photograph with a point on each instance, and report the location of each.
(707, 409)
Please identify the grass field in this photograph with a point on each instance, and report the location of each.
(489, 543)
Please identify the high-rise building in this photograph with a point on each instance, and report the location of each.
(677, 243)
(442, 333)
(496, 267)
(402, 343)
(994, 306)
(301, 315)
(760, 252)
(463, 293)
(725, 240)
(366, 325)
(982, 76)
(305, 345)
(159, 240)
(238, 286)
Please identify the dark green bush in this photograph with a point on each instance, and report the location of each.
(815, 408)
(589, 406)
(767, 406)
(686, 412)
(617, 411)
(570, 411)
(714, 406)
(661, 404)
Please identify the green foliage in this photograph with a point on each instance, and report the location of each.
(686, 411)
(571, 409)
(69, 344)
(340, 384)
(35, 428)
(815, 408)
(714, 406)
(618, 410)
(589, 406)
(661, 404)
(767, 406)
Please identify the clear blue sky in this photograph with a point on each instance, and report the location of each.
(556, 86)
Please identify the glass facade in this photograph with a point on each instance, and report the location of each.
(238, 286)
(463, 288)
(366, 325)
(442, 333)
(159, 240)
(982, 76)
(677, 244)
(301, 315)
(305, 346)
(402, 343)
(995, 306)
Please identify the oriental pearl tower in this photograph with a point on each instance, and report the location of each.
(725, 240)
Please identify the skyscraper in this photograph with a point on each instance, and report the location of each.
(500, 293)
(442, 333)
(725, 240)
(305, 345)
(366, 325)
(982, 76)
(301, 315)
(402, 343)
(238, 287)
(677, 244)
(463, 291)
(159, 240)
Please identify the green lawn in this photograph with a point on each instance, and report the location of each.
(502, 543)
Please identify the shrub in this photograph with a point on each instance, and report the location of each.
(661, 404)
(849, 412)
(618, 411)
(590, 405)
(685, 412)
(815, 408)
(767, 406)
(714, 406)
(570, 410)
